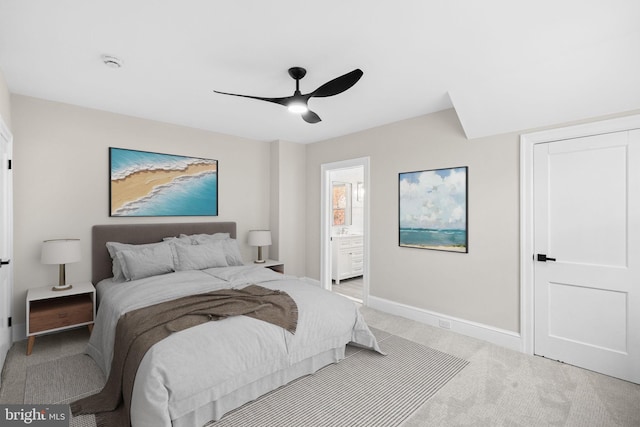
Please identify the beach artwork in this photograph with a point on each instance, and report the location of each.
(433, 209)
(154, 184)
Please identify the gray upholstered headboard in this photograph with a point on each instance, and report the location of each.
(142, 233)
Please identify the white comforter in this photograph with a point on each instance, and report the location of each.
(182, 375)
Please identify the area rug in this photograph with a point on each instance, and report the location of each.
(365, 389)
(63, 381)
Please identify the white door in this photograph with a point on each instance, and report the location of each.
(587, 225)
(6, 241)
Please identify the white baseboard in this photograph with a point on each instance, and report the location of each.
(501, 337)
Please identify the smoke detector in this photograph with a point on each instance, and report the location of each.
(111, 61)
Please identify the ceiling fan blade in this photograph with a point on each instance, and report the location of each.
(310, 117)
(338, 85)
(282, 101)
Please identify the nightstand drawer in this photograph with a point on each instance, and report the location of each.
(60, 312)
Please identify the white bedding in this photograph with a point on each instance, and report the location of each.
(199, 374)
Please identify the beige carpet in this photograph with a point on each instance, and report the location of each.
(366, 389)
(499, 387)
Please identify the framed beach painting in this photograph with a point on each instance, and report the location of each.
(153, 184)
(433, 209)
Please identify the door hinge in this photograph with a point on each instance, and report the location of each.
(9, 321)
(10, 165)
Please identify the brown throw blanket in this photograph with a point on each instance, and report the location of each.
(139, 329)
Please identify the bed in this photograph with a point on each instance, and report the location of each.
(198, 374)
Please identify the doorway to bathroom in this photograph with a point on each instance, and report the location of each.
(345, 228)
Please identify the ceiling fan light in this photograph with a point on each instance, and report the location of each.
(298, 107)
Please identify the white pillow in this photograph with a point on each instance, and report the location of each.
(199, 239)
(115, 247)
(182, 239)
(199, 257)
(139, 263)
(229, 245)
(232, 252)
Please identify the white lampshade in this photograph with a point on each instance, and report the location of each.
(61, 252)
(259, 238)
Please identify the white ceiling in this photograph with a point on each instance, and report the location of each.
(504, 65)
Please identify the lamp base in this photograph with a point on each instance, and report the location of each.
(62, 281)
(260, 260)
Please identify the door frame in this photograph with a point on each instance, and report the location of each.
(5, 135)
(527, 143)
(325, 221)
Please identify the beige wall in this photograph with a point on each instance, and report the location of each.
(288, 209)
(481, 286)
(5, 104)
(61, 178)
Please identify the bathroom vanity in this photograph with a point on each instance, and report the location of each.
(347, 256)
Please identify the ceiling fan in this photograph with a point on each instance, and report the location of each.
(297, 103)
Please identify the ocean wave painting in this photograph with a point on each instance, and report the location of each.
(433, 209)
(153, 184)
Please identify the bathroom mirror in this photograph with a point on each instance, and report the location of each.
(341, 203)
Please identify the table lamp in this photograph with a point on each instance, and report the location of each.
(259, 238)
(60, 251)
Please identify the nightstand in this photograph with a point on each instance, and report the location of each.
(272, 264)
(51, 311)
